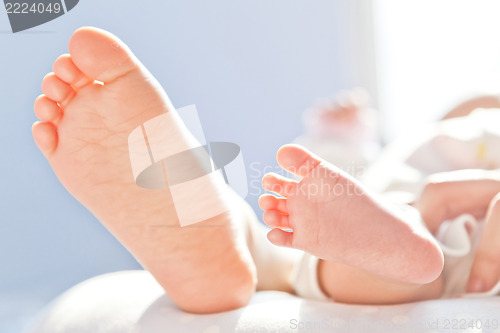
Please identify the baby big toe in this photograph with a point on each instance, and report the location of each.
(281, 238)
(297, 160)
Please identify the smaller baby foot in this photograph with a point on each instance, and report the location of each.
(332, 216)
(346, 117)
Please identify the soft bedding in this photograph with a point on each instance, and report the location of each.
(132, 301)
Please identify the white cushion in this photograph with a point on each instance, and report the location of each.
(132, 302)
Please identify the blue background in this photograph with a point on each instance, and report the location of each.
(251, 68)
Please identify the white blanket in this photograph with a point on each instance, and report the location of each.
(132, 302)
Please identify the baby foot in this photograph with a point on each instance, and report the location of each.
(96, 96)
(346, 117)
(333, 217)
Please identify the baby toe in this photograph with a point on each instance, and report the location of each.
(297, 160)
(278, 184)
(67, 71)
(275, 219)
(45, 136)
(281, 238)
(56, 89)
(47, 110)
(100, 55)
(270, 202)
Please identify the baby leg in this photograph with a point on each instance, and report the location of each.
(347, 284)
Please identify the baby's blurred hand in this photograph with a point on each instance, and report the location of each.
(450, 194)
(485, 272)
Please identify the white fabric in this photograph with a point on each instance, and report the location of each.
(459, 247)
(305, 279)
(132, 302)
(471, 142)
